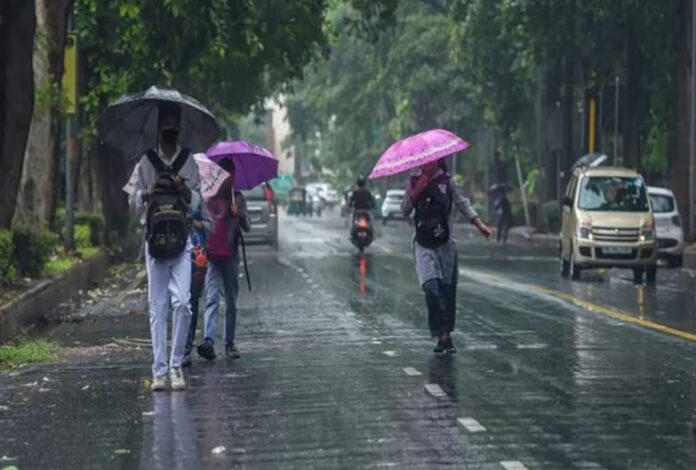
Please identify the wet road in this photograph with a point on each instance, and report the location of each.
(337, 371)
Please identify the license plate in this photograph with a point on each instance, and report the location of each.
(616, 250)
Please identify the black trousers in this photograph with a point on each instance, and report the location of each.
(441, 299)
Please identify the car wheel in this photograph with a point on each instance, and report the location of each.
(638, 274)
(565, 265)
(651, 274)
(675, 261)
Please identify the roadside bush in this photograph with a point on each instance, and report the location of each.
(83, 236)
(94, 221)
(33, 250)
(8, 270)
(551, 216)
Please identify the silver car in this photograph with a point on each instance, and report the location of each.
(263, 213)
(391, 207)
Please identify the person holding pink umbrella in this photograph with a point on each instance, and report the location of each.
(430, 196)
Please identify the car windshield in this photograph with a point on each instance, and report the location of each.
(662, 203)
(395, 196)
(255, 194)
(615, 194)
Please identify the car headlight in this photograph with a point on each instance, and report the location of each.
(585, 233)
(647, 234)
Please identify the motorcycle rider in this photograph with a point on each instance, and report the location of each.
(361, 200)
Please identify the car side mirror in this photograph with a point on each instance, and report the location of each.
(567, 201)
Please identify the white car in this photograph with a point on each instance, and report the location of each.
(391, 207)
(326, 192)
(670, 234)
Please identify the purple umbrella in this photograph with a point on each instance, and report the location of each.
(253, 165)
(417, 150)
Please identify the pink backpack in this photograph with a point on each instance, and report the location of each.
(222, 242)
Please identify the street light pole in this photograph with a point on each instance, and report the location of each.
(616, 118)
(692, 119)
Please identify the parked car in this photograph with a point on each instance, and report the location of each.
(670, 234)
(326, 192)
(263, 213)
(391, 207)
(607, 221)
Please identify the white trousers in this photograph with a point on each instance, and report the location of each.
(169, 284)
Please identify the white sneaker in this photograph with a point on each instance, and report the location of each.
(159, 383)
(176, 377)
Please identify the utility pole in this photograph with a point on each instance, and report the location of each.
(692, 119)
(70, 92)
(616, 118)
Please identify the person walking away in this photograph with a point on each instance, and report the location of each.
(431, 194)
(504, 211)
(361, 199)
(229, 213)
(202, 225)
(166, 189)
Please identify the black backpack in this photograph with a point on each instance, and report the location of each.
(167, 212)
(432, 214)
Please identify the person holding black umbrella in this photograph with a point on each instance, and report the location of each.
(166, 190)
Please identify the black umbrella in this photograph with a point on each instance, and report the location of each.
(130, 123)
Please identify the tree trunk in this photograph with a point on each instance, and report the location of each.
(39, 189)
(679, 134)
(634, 98)
(17, 26)
(567, 118)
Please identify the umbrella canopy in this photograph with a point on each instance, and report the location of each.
(212, 175)
(417, 150)
(130, 123)
(283, 184)
(253, 165)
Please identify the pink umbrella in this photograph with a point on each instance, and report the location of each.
(417, 150)
(253, 165)
(212, 175)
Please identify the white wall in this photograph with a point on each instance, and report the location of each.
(279, 131)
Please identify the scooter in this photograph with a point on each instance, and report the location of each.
(361, 233)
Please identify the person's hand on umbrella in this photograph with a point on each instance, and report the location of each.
(421, 185)
(234, 208)
(483, 228)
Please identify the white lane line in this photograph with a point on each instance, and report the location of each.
(389, 353)
(471, 425)
(435, 390)
(412, 371)
(532, 346)
(481, 347)
(513, 465)
(376, 342)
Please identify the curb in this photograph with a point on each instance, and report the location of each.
(542, 240)
(31, 306)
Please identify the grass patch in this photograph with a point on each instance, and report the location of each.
(28, 352)
(63, 263)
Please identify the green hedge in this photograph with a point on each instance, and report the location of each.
(551, 215)
(8, 268)
(95, 222)
(33, 250)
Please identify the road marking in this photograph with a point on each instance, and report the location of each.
(376, 342)
(586, 305)
(513, 465)
(389, 353)
(471, 425)
(481, 347)
(531, 346)
(411, 371)
(435, 390)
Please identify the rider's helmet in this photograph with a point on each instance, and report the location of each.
(361, 181)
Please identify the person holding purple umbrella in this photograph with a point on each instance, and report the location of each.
(229, 213)
(430, 195)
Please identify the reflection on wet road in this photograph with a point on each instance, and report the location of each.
(337, 372)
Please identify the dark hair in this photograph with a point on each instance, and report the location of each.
(442, 164)
(227, 165)
(361, 181)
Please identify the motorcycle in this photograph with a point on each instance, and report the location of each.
(361, 234)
